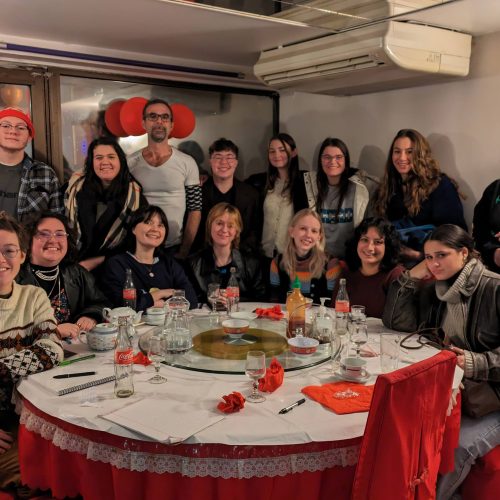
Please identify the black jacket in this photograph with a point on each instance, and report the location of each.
(248, 274)
(84, 298)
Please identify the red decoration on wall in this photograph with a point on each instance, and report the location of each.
(112, 118)
(131, 116)
(184, 121)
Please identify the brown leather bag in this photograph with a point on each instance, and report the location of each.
(479, 398)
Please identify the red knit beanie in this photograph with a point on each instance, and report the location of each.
(19, 114)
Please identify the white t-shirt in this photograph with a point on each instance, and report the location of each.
(165, 186)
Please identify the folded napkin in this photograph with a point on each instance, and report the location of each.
(367, 352)
(274, 312)
(324, 394)
(232, 403)
(273, 377)
(141, 359)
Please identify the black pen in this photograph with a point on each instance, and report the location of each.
(79, 374)
(286, 409)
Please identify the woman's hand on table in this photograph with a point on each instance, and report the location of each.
(6, 441)
(161, 295)
(68, 330)
(86, 323)
(460, 356)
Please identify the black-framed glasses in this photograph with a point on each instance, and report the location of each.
(329, 158)
(46, 235)
(7, 127)
(221, 158)
(433, 337)
(10, 252)
(152, 117)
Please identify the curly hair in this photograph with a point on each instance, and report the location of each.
(422, 180)
(391, 240)
(32, 227)
(288, 142)
(322, 179)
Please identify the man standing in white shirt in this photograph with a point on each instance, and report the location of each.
(170, 178)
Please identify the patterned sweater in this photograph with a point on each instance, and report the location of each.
(29, 341)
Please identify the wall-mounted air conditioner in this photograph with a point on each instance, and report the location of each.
(383, 56)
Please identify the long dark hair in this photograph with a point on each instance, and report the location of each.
(454, 237)
(322, 179)
(32, 227)
(120, 184)
(391, 240)
(293, 164)
(145, 215)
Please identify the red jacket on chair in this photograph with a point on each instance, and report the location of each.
(400, 452)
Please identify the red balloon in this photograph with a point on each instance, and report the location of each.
(184, 121)
(112, 118)
(131, 116)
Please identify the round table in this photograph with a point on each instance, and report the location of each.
(67, 446)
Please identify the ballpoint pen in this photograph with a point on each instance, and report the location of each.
(69, 375)
(67, 362)
(288, 408)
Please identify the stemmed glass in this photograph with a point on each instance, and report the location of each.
(359, 335)
(255, 368)
(157, 350)
(213, 294)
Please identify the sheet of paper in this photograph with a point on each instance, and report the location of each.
(164, 420)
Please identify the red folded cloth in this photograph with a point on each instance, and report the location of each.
(274, 312)
(273, 377)
(324, 394)
(141, 359)
(232, 403)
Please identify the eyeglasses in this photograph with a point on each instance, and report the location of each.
(46, 235)
(328, 158)
(221, 158)
(154, 116)
(6, 126)
(10, 252)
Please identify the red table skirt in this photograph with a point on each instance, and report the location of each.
(71, 460)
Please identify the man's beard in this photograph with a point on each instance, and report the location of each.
(159, 135)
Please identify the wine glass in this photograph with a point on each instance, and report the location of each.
(156, 353)
(359, 336)
(213, 294)
(255, 368)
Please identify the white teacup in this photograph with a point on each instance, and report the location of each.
(155, 315)
(353, 367)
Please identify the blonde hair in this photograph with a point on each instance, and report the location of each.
(218, 211)
(318, 256)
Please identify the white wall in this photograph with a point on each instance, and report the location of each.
(461, 120)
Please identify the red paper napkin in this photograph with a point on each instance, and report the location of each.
(232, 403)
(141, 359)
(324, 394)
(274, 312)
(273, 377)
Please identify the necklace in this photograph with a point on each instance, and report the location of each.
(51, 275)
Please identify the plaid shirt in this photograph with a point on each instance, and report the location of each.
(39, 190)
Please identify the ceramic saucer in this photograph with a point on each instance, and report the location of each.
(348, 378)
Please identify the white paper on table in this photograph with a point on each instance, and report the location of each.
(163, 420)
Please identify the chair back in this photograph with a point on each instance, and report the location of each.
(400, 451)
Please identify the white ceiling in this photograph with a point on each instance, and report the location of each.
(184, 31)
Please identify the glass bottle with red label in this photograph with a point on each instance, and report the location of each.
(124, 361)
(129, 291)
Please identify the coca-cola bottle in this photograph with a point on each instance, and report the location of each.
(232, 291)
(124, 361)
(342, 300)
(129, 291)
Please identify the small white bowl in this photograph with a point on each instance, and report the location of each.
(249, 316)
(303, 345)
(235, 327)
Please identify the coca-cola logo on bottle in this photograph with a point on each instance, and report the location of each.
(129, 293)
(124, 357)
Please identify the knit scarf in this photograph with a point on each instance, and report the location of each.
(118, 230)
(457, 298)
